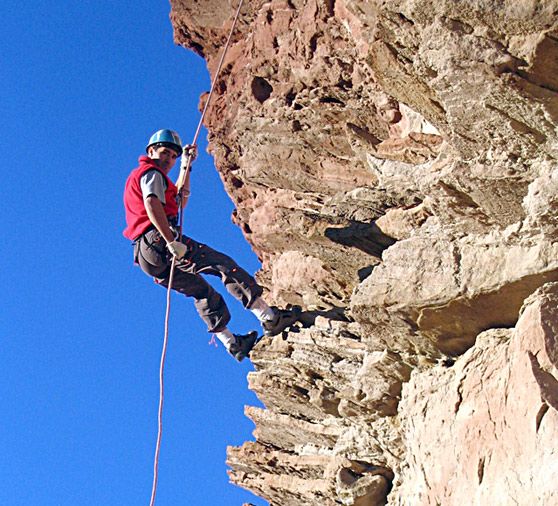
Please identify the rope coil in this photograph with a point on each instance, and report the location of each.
(180, 183)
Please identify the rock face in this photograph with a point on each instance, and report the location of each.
(497, 406)
(393, 164)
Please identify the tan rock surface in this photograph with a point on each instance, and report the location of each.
(393, 165)
(498, 409)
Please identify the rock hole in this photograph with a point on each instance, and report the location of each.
(349, 335)
(347, 476)
(314, 42)
(300, 390)
(222, 87)
(405, 19)
(480, 470)
(345, 84)
(363, 134)
(261, 89)
(197, 48)
(330, 6)
(459, 399)
(540, 415)
(331, 100)
(313, 375)
(296, 126)
(448, 362)
(237, 183)
(269, 16)
(364, 272)
(290, 97)
(438, 105)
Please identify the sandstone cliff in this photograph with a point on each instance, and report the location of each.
(393, 164)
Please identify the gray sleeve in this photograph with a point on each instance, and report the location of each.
(153, 183)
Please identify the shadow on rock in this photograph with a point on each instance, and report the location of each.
(308, 318)
(366, 237)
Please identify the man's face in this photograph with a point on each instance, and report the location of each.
(164, 157)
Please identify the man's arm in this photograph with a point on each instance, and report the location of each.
(185, 190)
(153, 187)
(156, 213)
(183, 181)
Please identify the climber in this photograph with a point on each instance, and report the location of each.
(151, 205)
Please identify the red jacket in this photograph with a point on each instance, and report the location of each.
(136, 215)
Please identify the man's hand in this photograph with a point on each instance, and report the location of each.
(177, 249)
(191, 150)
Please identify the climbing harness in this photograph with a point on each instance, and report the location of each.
(184, 169)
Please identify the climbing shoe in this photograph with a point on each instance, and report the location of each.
(282, 320)
(243, 344)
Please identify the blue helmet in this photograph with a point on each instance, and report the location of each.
(167, 138)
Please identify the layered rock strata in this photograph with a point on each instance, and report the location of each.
(393, 165)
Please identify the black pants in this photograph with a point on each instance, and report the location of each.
(151, 254)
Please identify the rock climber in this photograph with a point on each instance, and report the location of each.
(151, 205)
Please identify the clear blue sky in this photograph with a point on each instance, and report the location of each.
(84, 84)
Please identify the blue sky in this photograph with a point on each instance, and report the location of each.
(84, 84)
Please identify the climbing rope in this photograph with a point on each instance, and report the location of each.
(184, 169)
(161, 390)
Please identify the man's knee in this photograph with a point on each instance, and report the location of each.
(192, 285)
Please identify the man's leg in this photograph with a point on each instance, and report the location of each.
(213, 310)
(201, 259)
(210, 305)
(153, 258)
(151, 254)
